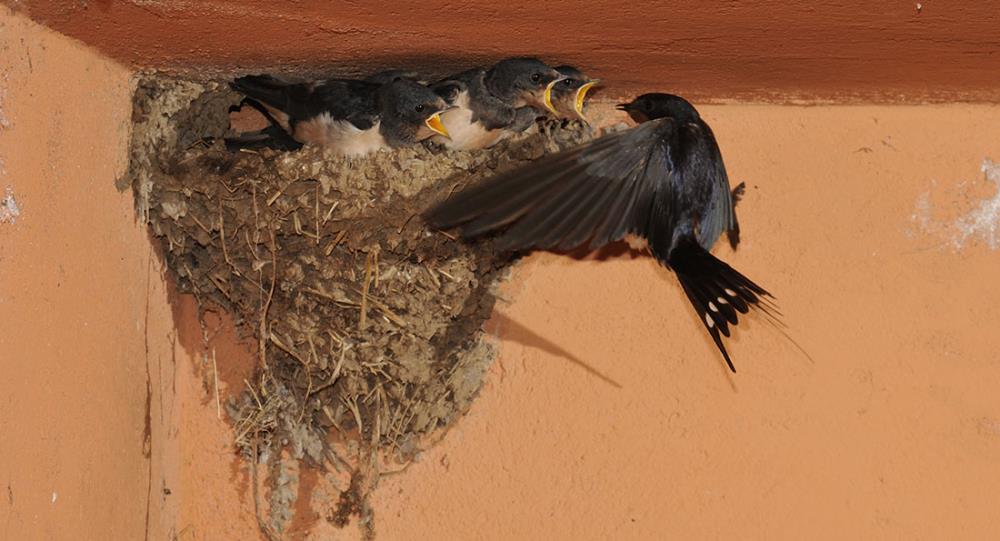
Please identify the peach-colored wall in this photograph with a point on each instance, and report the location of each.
(75, 274)
(96, 377)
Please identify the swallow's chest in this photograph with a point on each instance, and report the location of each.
(340, 135)
(466, 134)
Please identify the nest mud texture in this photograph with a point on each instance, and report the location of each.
(367, 323)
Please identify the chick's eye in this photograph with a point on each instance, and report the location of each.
(535, 77)
(420, 108)
(567, 82)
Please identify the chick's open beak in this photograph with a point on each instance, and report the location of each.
(548, 96)
(434, 123)
(581, 94)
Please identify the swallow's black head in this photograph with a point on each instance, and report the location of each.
(654, 106)
(390, 75)
(522, 81)
(568, 94)
(410, 112)
(572, 73)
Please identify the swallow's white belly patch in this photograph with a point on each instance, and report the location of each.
(466, 135)
(340, 136)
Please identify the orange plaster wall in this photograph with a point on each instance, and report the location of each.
(75, 281)
(108, 425)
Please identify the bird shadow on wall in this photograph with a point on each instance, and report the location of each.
(613, 250)
(623, 250)
(504, 328)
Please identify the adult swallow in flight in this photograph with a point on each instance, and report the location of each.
(569, 94)
(663, 181)
(490, 104)
(351, 117)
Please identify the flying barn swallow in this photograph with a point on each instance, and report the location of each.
(491, 104)
(351, 117)
(569, 94)
(663, 181)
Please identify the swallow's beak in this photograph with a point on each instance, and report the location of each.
(548, 96)
(581, 94)
(624, 107)
(434, 123)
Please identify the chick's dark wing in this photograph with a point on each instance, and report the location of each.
(449, 90)
(491, 111)
(596, 192)
(343, 99)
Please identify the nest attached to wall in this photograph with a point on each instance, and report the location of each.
(368, 324)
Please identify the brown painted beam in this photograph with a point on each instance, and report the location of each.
(771, 50)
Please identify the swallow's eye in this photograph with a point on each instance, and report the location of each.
(420, 108)
(535, 77)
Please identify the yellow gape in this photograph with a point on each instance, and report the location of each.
(548, 97)
(581, 94)
(434, 123)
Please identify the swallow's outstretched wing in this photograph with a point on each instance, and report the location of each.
(594, 194)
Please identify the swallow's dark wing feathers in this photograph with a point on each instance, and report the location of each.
(524, 118)
(347, 99)
(734, 231)
(718, 216)
(599, 192)
(449, 89)
(266, 89)
(342, 99)
(487, 108)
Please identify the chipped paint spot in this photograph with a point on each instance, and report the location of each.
(982, 222)
(4, 123)
(922, 212)
(9, 211)
(950, 212)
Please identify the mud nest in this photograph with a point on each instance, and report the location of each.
(367, 323)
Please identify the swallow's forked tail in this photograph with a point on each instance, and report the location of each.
(270, 137)
(717, 291)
